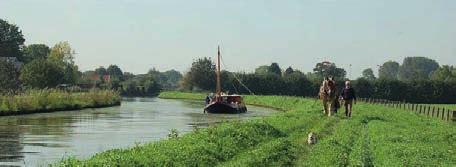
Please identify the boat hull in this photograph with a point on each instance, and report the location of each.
(224, 108)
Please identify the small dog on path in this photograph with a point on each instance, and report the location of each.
(311, 138)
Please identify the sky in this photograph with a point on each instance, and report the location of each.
(169, 34)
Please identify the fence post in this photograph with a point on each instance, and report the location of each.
(443, 114)
(438, 112)
(454, 115)
(433, 108)
(448, 115)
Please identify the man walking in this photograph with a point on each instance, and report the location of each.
(349, 96)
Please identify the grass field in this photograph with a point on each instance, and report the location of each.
(446, 106)
(374, 136)
(48, 100)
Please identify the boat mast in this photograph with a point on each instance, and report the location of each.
(219, 89)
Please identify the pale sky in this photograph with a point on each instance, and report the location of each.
(169, 34)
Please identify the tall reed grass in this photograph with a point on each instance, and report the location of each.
(47, 100)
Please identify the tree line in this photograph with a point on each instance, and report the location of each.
(38, 66)
(417, 79)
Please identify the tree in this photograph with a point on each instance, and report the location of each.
(274, 68)
(35, 51)
(141, 85)
(128, 75)
(364, 87)
(11, 40)
(417, 68)
(173, 78)
(101, 71)
(262, 70)
(445, 73)
(389, 70)
(41, 73)
(201, 74)
(368, 74)
(115, 72)
(288, 71)
(325, 69)
(63, 56)
(8, 77)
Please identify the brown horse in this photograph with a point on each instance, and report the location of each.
(328, 95)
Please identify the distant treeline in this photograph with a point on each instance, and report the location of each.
(38, 66)
(418, 80)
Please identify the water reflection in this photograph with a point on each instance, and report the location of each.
(40, 139)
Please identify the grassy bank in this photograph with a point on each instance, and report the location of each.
(35, 101)
(374, 136)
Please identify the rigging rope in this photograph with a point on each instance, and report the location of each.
(236, 77)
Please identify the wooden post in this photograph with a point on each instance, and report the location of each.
(448, 115)
(443, 114)
(438, 112)
(433, 109)
(454, 115)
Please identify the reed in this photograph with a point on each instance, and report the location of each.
(48, 100)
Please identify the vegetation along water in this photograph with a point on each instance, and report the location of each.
(374, 136)
(47, 100)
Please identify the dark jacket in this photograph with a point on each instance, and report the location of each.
(348, 94)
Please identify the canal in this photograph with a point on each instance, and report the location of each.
(41, 139)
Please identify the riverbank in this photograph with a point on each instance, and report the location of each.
(40, 101)
(374, 136)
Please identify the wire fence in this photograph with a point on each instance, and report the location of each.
(425, 109)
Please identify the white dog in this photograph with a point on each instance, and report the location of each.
(311, 138)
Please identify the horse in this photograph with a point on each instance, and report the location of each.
(328, 95)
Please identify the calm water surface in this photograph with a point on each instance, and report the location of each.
(41, 139)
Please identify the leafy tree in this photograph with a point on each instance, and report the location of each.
(172, 77)
(201, 75)
(9, 80)
(262, 70)
(35, 51)
(325, 69)
(141, 85)
(368, 74)
(274, 68)
(115, 72)
(40, 73)
(364, 87)
(417, 68)
(11, 40)
(444, 73)
(389, 70)
(63, 56)
(288, 71)
(128, 75)
(101, 71)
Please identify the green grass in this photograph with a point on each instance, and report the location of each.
(446, 106)
(47, 100)
(374, 136)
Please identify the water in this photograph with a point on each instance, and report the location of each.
(41, 139)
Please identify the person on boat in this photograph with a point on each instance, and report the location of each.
(349, 96)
